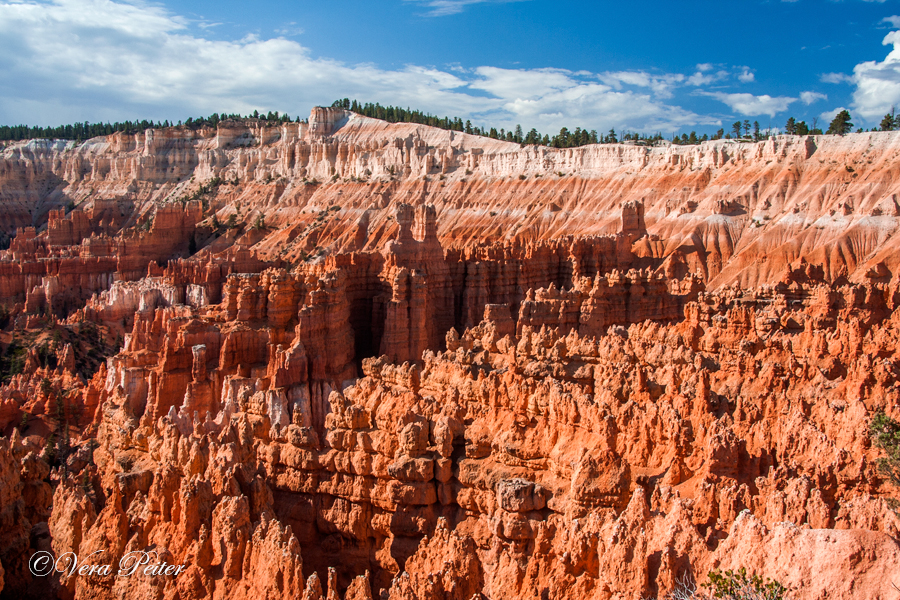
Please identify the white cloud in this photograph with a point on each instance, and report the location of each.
(662, 86)
(748, 104)
(746, 75)
(442, 8)
(75, 60)
(516, 83)
(810, 97)
(560, 98)
(878, 83)
(701, 78)
(835, 78)
(893, 21)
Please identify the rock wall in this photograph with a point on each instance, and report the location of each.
(422, 365)
(335, 184)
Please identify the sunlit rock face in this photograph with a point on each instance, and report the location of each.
(346, 359)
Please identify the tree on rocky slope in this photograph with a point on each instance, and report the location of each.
(885, 433)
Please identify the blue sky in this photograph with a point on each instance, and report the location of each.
(646, 65)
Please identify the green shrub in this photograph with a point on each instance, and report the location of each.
(737, 585)
(730, 585)
(885, 433)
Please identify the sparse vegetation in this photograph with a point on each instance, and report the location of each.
(13, 360)
(885, 434)
(730, 585)
(86, 131)
(737, 585)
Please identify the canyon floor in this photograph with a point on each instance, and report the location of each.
(346, 359)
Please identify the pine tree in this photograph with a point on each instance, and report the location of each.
(790, 127)
(736, 128)
(841, 124)
(889, 122)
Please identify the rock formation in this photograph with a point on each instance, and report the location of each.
(350, 360)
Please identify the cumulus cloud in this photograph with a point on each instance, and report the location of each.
(748, 104)
(75, 60)
(893, 21)
(746, 75)
(878, 83)
(810, 97)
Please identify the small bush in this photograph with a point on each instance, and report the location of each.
(730, 585)
(885, 433)
(737, 585)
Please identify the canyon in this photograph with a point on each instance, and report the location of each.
(346, 359)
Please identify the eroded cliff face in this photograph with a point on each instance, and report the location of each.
(424, 377)
(335, 182)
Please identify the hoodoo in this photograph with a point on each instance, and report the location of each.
(349, 359)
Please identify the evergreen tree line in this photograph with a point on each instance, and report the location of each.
(86, 130)
(740, 130)
(393, 114)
